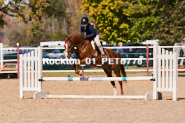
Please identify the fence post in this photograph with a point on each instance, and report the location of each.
(39, 68)
(17, 60)
(175, 76)
(147, 61)
(155, 71)
(21, 79)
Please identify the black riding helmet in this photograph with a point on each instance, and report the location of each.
(84, 21)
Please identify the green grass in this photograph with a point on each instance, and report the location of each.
(72, 74)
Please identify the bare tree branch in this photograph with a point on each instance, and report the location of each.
(1, 9)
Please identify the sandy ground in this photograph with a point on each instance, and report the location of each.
(16, 110)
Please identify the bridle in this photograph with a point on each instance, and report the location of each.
(70, 46)
(75, 47)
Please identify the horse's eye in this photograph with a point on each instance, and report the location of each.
(69, 46)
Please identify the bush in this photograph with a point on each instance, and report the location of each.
(58, 35)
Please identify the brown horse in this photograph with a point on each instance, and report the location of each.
(83, 49)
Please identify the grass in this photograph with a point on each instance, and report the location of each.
(72, 74)
(129, 67)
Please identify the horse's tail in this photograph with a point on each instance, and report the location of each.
(122, 67)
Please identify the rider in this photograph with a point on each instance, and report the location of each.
(91, 33)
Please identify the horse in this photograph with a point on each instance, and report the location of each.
(84, 49)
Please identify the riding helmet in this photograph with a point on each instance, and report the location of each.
(84, 21)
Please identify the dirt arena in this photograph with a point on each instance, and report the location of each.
(16, 110)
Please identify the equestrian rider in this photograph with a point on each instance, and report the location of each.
(91, 33)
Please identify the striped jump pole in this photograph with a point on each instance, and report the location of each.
(96, 78)
(147, 96)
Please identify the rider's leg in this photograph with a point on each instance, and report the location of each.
(97, 40)
(93, 45)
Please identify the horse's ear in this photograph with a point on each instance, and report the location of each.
(64, 39)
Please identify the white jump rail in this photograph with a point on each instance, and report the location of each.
(31, 77)
(96, 78)
(98, 97)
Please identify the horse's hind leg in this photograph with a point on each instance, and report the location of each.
(108, 71)
(117, 72)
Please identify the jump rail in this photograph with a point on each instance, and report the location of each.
(95, 78)
(98, 97)
(31, 77)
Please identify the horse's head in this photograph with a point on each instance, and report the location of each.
(71, 42)
(69, 47)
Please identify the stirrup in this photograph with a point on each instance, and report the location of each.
(103, 56)
(94, 56)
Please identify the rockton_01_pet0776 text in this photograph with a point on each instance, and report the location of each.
(88, 61)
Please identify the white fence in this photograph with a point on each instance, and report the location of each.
(10, 51)
(29, 49)
(31, 75)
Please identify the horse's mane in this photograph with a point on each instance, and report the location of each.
(76, 35)
(75, 38)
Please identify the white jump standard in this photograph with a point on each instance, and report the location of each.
(31, 77)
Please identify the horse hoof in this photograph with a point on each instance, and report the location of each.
(80, 73)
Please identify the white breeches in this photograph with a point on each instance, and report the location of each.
(97, 40)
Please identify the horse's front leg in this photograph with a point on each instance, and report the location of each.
(76, 68)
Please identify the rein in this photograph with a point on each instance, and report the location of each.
(83, 46)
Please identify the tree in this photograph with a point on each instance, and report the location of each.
(35, 32)
(58, 35)
(123, 20)
(28, 10)
(142, 16)
(4, 20)
(50, 27)
(171, 24)
(110, 18)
